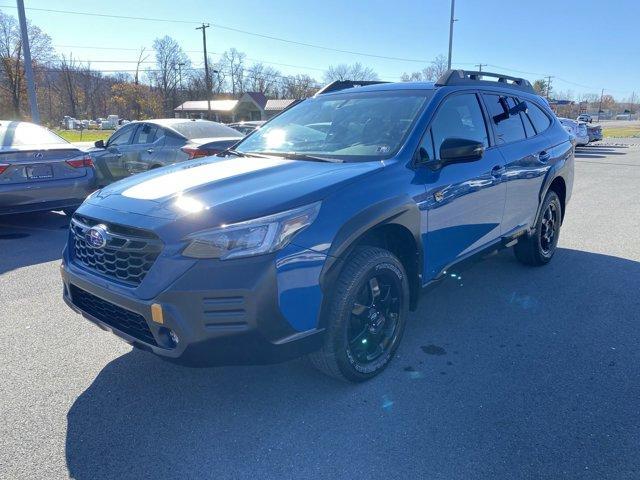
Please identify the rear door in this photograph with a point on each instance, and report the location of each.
(147, 152)
(465, 201)
(524, 147)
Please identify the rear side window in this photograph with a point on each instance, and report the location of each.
(509, 128)
(145, 134)
(459, 116)
(528, 126)
(539, 119)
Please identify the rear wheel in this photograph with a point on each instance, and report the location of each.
(539, 247)
(366, 316)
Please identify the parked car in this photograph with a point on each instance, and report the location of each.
(594, 132)
(577, 129)
(40, 170)
(585, 117)
(247, 127)
(298, 241)
(140, 146)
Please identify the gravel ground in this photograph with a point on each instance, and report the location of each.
(510, 372)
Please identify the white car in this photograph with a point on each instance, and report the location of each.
(585, 117)
(577, 129)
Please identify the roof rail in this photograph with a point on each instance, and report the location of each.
(344, 84)
(470, 78)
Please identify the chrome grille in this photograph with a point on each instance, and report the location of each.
(127, 255)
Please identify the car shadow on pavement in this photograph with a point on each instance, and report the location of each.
(31, 238)
(507, 360)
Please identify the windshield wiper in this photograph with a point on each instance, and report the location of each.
(303, 156)
(231, 151)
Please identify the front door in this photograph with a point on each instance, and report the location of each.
(110, 163)
(464, 201)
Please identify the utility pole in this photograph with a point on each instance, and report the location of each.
(28, 68)
(600, 107)
(180, 65)
(453, 7)
(480, 65)
(207, 79)
(549, 86)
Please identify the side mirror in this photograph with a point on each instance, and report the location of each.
(99, 144)
(457, 150)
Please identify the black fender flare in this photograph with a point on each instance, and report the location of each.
(400, 210)
(554, 172)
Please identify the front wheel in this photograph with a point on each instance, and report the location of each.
(539, 247)
(366, 316)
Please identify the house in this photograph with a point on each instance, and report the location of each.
(251, 106)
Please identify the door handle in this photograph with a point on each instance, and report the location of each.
(544, 156)
(149, 150)
(118, 155)
(497, 171)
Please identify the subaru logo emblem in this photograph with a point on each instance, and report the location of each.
(96, 237)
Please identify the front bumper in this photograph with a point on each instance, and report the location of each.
(223, 313)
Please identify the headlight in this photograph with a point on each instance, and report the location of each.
(253, 237)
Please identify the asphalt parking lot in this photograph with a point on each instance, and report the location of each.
(507, 372)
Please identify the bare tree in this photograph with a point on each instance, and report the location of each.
(298, 86)
(355, 71)
(428, 74)
(263, 79)
(232, 63)
(11, 63)
(141, 58)
(168, 55)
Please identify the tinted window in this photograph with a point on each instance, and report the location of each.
(459, 116)
(204, 129)
(528, 127)
(540, 120)
(15, 134)
(145, 134)
(508, 127)
(122, 136)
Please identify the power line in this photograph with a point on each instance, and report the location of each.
(275, 38)
(225, 27)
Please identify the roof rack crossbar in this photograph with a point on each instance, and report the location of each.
(344, 84)
(468, 77)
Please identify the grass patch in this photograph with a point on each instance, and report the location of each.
(621, 132)
(85, 135)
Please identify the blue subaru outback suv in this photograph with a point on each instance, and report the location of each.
(316, 233)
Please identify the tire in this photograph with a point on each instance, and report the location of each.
(366, 316)
(538, 248)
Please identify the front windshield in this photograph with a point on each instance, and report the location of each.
(354, 126)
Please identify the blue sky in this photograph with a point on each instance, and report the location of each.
(587, 44)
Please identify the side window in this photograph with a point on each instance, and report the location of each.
(145, 134)
(539, 119)
(459, 116)
(528, 126)
(122, 136)
(509, 128)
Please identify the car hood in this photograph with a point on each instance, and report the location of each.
(228, 189)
